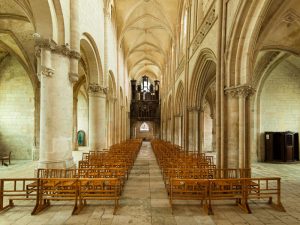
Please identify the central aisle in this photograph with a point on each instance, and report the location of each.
(145, 200)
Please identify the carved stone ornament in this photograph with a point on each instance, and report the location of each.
(73, 77)
(242, 90)
(204, 28)
(97, 89)
(38, 52)
(74, 54)
(58, 49)
(290, 17)
(48, 72)
(181, 66)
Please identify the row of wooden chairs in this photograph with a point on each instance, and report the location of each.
(78, 190)
(190, 176)
(91, 181)
(241, 190)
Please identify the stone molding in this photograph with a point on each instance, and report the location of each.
(97, 89)
(240, 91)
(291, 17)
(206, 25)
(55, 48)
(180, 67)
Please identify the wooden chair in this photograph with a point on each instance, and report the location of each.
(5, 157)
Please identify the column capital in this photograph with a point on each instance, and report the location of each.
(73, 77)
(96, 89)
(48, 43)
(239, 91)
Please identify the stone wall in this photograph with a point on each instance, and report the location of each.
(280, 105)
(16, 110)
(83, 115)
(151, 134)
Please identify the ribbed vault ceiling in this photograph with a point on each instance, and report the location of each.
(145, 30)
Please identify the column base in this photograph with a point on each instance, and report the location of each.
(64, 164)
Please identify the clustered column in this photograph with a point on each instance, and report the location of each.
(237, 152)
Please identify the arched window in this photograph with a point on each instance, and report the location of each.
(144, 127)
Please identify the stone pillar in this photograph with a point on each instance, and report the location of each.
(193, 129)
(75, 123)
(111, 123)
(201, 130)
(122, 123)
(241, 131)
(177, 129)
(169, 127)
(162, 130)
(56, 111)
(236, 148)
(97, 117)
(128, 126)
(190, 130)
(213, 144)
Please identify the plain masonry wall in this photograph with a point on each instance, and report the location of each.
(16, 110)
(280, 105)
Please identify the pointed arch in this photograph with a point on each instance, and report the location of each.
(204, 73)
(91, 53)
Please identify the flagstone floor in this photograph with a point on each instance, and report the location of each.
(144, 200)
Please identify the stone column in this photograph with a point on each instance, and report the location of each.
(169, 131)
(237, 155)
(122, 123)
(176, 130)
(213, 144)
(162, 130)
(56, 112)
(97, 117)
(128, 126)
(193, 126)
(190, 130)
(111, 127)
(75, 123)
(201, 130)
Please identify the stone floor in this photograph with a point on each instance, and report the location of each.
(144, 201)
